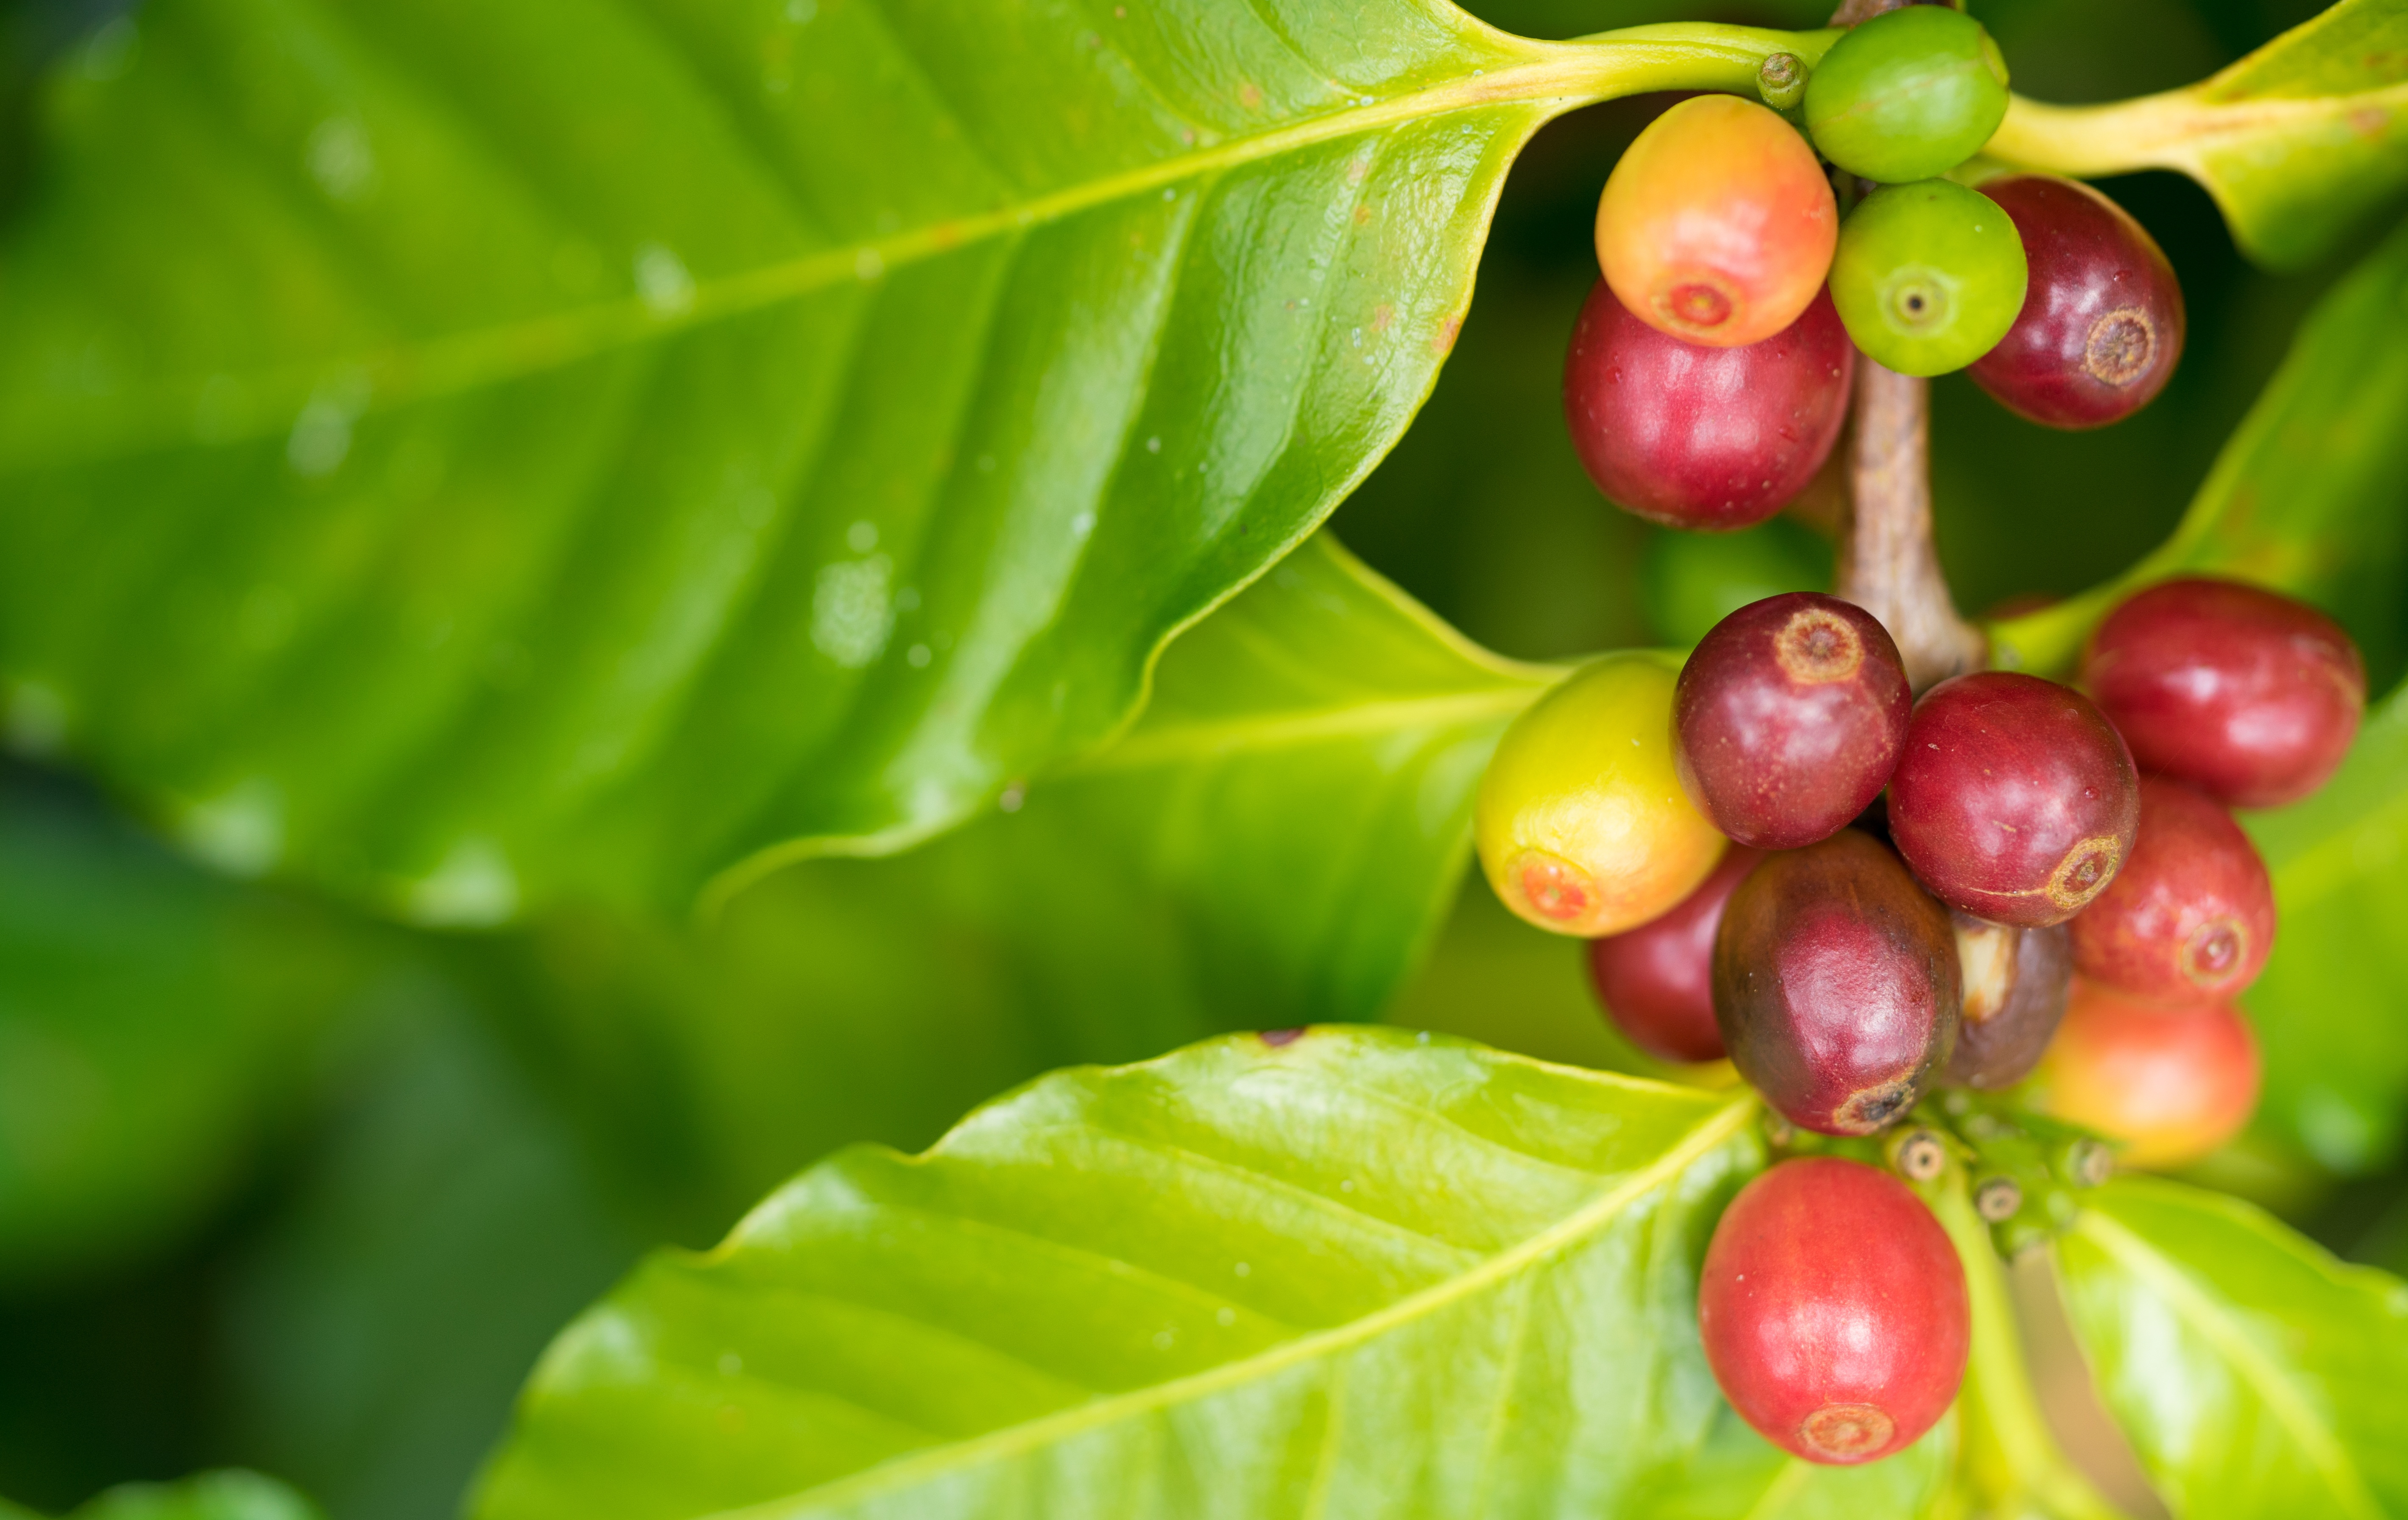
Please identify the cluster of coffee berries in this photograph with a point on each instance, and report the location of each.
(1710, 368)
(1782, 856)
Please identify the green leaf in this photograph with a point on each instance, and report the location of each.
(2254, 1374)
(1349, 1273)
(2299, 142)
(1273, 844)
(1738, 1475)
(2310, 496)
(2332, 1010)
(153, 1022)
(485, 456)
(231, 1494)
(433, 1235)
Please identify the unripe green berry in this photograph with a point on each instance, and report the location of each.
(1929, 277)
(1581, 823)
(1908, 94)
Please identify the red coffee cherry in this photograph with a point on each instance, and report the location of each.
(1835, 985)
(1717, 225)
(1788, 719)
(2191, 915)
(1833, 1310)
(2248, 695)
(2014, 983)
(2102, 326)
(2015, 800)
(2171, 1083)
(1658, 980)
(1704, 437)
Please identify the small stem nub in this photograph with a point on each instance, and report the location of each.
(1998, 1200)
(2088, 1163)
(1919, 1155)
(1887, 564)
(1781, 80)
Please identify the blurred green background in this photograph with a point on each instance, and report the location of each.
(283, 1188)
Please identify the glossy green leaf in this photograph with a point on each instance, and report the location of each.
(1359, 1272)
(1272, 845)
(2299, 142)
(152, 1022)
(231, 1494)
(480, 456)
(2332, 1010)
(2310, 496)
(2254, 1374)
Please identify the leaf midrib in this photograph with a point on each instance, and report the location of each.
(1716, 1127)
(2274, 1386)
(1559, 76)
(1176, 742)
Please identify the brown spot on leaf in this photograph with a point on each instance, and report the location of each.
(1443, 340)
(1276, 1037)
(1382, 315)
(1250, 95)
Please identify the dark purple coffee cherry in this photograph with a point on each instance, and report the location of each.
(2015, 800)
(2102, 326)
(1694, 437)
(1835, 985)
(1788, 719)
(1658, 980)
(2013, 984)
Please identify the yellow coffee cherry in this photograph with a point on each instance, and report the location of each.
(1583, 825)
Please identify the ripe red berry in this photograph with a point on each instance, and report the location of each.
(1835, 985)
(1704, 437)
(2014, 989)
(1658, 980)
(1833, 1310)
(2172, 1084)
(2015, 800)
(2191, 915)
(2102, 326)
(1789, 718)
(1717, 225)
(2248, 695)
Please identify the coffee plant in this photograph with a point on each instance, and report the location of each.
(614, 616)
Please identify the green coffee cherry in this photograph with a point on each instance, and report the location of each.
(1929, 277)
(1908, 94)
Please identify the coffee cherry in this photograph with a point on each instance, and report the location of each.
(1718, 224)
(2013, 800)
(1788, 719)
(1908, 94)
(1693, 437)
(1581, 821)
(2014, 989)
(1833, 1310)
(2191, 915)
(1927, 276)
(2248, 695)
(2172, 1084)
(1658, 980)
(1835, 985)
(2102, 326)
